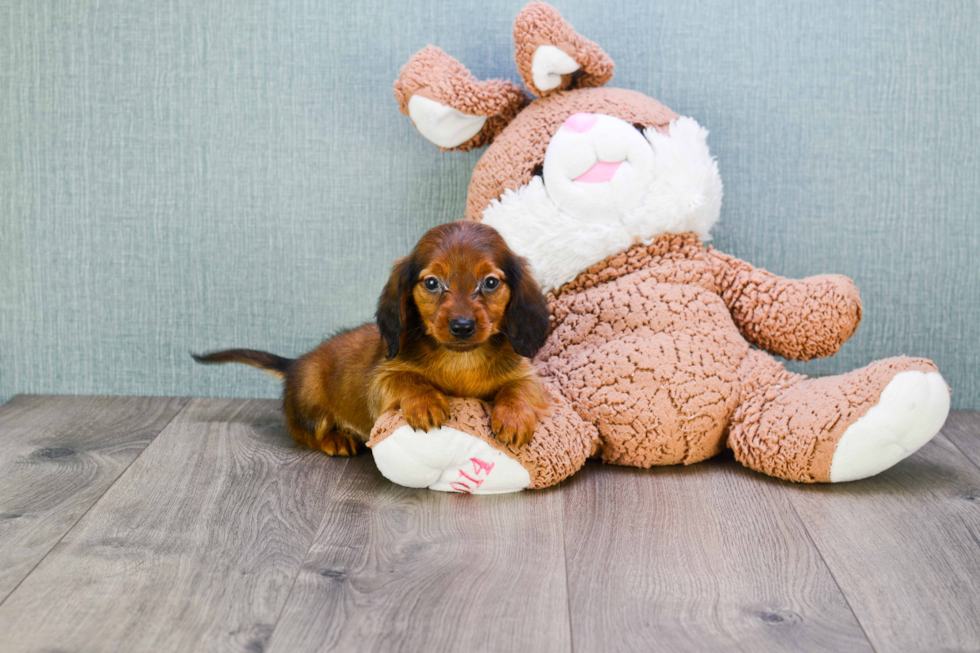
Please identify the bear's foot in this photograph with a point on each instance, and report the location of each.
(463, 455)
(448, 460)
(911, 410)
(835, 428)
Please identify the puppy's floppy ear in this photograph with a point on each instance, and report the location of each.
(393, 309)
(527, 312)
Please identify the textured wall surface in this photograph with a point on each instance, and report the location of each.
(186, 175)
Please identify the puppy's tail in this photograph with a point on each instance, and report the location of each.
(277, 366)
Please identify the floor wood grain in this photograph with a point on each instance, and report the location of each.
(396, 569)
(963, 429)
(58, 455)
(904, 547)
(194, 548)
(159, 525)
(709, 557)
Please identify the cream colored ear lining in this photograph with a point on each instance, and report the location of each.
(548, 65)
(442, 125)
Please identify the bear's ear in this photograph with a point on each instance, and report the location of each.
(551, 56)
(449, 106)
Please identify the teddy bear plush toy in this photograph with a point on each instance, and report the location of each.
(660, 346)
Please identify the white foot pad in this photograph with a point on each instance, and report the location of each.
(911, 410)
(448, 460)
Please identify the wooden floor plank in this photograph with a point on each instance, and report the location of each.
(904, 546)
(194, 548)
(204, 541)
(703, 558)
(58, 455)
(963, 429)
(396, 569)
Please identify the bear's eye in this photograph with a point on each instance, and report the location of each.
(491, 283)
(432, 284)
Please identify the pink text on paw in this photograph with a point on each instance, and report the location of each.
(480, 468)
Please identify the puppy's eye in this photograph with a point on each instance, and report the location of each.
(490, 284)
(432, 284)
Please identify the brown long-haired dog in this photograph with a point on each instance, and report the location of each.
(460, 316)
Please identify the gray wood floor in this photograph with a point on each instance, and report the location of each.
(154, 524)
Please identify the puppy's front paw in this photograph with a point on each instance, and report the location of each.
(425, 411)
(513, 422)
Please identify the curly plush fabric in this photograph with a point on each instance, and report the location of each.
(674, 258)
(825, 309)
(648, 354)
(540, 24)
(433, 74)
(788, 426)
(650, 346)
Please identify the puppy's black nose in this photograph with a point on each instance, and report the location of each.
(462, 327)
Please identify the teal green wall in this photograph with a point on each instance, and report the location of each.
(184, 175)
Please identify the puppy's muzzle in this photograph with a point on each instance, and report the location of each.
(462, 327)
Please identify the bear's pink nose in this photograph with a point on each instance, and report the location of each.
(580, 122)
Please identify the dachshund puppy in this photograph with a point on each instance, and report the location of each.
(459, 317)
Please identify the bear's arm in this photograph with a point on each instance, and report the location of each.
(795, 319)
